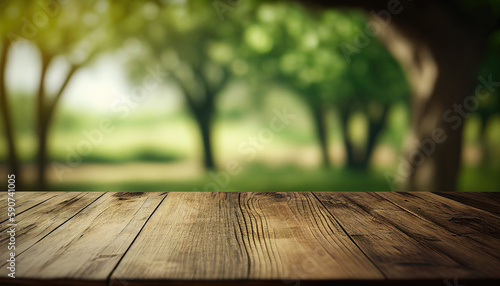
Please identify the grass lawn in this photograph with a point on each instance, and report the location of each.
(255, 177)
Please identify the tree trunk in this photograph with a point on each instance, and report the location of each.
(440, 60)
(204, 121)
(350, 161)
(42, 128)
(321, 132)
(42, 157)
(13, 160)
(375, 127)
(202, 110)
(45, 120)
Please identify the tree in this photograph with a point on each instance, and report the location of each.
(13, 159)
(428, 51)
(70, 31)
(9, 22)
(371, 84)
(284, 43)
(196, 48)
(301, 45)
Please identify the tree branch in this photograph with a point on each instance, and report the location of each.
(190, 101)
(225, 79)
(199, 74)
(52, 106)
(41, 91)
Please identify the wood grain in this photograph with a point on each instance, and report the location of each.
(253, 239)
(210, 236)
(396, 253)
(458, 219)
(292, 236)
(489, 202)
(24, 201)
(191, 236)
(90, 245)
(38, 222)
(403, 244)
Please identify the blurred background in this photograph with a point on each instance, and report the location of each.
(222, 96)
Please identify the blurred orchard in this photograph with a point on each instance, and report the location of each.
(248, 95)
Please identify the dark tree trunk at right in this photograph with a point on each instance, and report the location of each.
(440, 60)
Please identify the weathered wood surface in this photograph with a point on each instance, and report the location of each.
(36, 223)
(240, 236)
(24, 201)
(486, 201)
(253, 238)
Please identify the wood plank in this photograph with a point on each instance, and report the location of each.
(89, 246)
(405, 246)
(485, 201)
(294, 237)
(190, 236)
(24, 201)
(261, 236)
(36, 223)
(457, 218)
(254, 239)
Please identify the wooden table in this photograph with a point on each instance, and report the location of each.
(68, 238)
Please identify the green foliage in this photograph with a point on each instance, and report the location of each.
(301, 49)
(73, 29)
(187, 39)
(258, 43)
